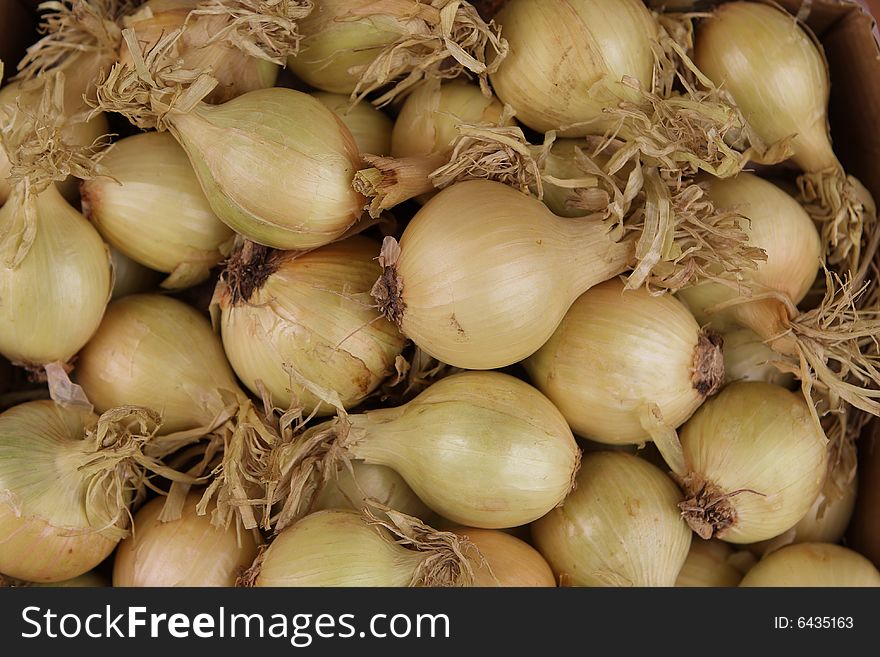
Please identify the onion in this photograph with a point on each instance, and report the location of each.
(508, 560)
(568, 59)
(754, 462)
(748, 358)
(618, 527)
(602, 365)
(352, 488)
(485, 274)
(482, 449)
(68, 477)
(129, 277)
(189, 551)
(345, 548)
(287, 317)
(370, 128)
(778, 76)
(275, 164)
(710, 563)
(813, 564)
(150, 206)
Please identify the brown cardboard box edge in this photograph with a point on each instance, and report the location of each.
(845, 30)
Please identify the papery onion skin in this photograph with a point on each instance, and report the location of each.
(46, 534)
(150, 206)
(708, 564)
(370, 128)
(313, 314)
(510, 562)
(485, 274)
(567, 59)
(157, 352)
(189, 551)
(620, 526)
(238, 149)
(813, 564)
(602, 365)
(482, 449)
(53, 301)
(756, 461)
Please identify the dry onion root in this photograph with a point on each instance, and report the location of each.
(149, 205)
(69, 477)
(785, 96)
(162, 354)
(813, 564)
(351, 548)
(237, 149)
(360, 46)
(480, 448)
(302, 323)
(618, 527)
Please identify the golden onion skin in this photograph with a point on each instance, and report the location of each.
(370, 127)
(813, 564)
(509, 561)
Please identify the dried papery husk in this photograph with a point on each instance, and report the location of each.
(506, 560)
(67, 478)
(414, 371)
(130, 277)
(150, 206)
(618, 527)
(480, 448)
(163, 354)
(748, 358)
(285, 317)
(362, 46)
(189, 551)
(713, 563)
(370, 127)
(423, 136)
(602, 365)
(351, 548)
(481, 246)
(814, 565)
(777, 74)
(237, 149)
(754, 463)
(354, 486)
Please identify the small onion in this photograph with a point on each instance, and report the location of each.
(189, 551)
(508, 560)
(343, 548)
(755, 461)
(67, 477)
(482, 449)
(748, 358)
(602, 365)
(483, 274)
(283, 311)
(813, 564)
(619, 527)
(370, 128)
(710, 563)
(150, 207)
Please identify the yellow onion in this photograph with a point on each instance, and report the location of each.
(508, 561)
(67, 478)
(286, 317)
(344, 548)
(602, 365)
(482, 449)
(53, 298)
(619, 527)
(236, 72)
(149, 205)
(189, 551)
(76, 133)
(370, 128)
(568, 58)
(129, 277)
(748, 358)
(351, 488)
(754, 463)
(711, 563)
(813, 564)
(483, 274)
(157, 352)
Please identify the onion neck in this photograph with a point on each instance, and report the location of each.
(376, 437)
(768, 318)
(388, 182)
(588, 254)
(813, 151)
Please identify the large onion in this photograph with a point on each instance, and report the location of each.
(813, 564)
